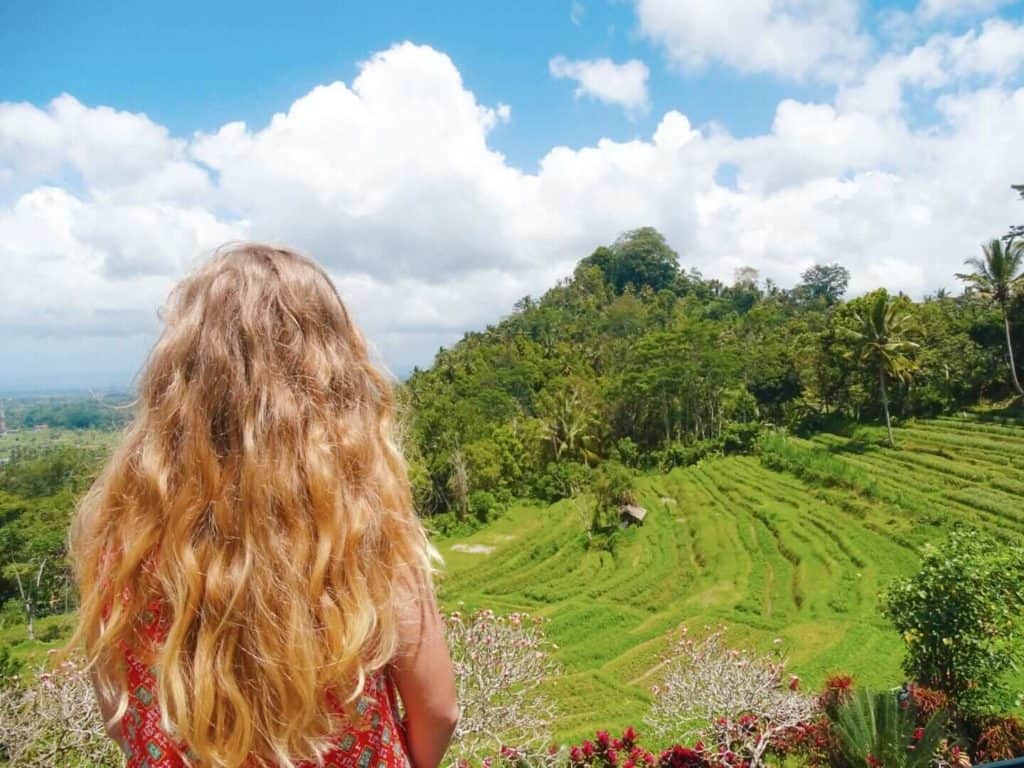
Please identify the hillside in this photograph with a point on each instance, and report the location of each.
(761, 550)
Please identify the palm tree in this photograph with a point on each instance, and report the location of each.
(874, 730)
(996, 277)
(880, 342)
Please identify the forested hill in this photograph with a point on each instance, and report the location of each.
(637, 360)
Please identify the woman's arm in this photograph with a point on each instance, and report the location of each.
(425, 679)
(107, 710)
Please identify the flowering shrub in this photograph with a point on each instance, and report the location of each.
(815, 741)
(1001, 738)
(626, 752)
(500, 663)
(738, 703)
(54, 721)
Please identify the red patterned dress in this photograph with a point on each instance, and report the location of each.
(376, 741)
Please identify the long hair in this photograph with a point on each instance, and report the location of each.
(258, 495)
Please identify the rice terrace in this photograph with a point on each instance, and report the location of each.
(794, 544)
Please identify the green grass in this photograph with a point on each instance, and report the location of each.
(41, 439)
(51, 632)
(795, 545)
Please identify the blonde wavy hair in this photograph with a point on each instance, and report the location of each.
(259, 496)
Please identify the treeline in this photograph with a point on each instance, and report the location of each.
(97, 412)
(635, 360)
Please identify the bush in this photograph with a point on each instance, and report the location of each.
(483, 506)
(627, 452)
(626, 752)
(561, 480)
(678, 454)
(740, 437)
(10, 667)
(1000, 738)
(960, 617)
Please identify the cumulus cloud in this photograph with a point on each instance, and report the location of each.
(994, 53)
(789, 38)
(936, 9)
(392, 183)
(624, 85)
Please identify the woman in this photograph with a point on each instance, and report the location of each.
(255, 582)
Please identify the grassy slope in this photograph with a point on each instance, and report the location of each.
(732, 542)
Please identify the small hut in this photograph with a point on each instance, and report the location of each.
(631, 514)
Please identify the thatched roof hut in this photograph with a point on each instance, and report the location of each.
(631, 514)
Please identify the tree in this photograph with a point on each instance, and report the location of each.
(880, 342)
(55, 720)
(500, 664)
(613, 487)
(570, 420)
(824, 282)
(29, 590)
(640, 257)
(960, 617)
(997, 276)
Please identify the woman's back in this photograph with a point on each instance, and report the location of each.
(259, 499)
(374, 738)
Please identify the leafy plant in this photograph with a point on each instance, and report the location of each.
(960, 617)
(875, 731)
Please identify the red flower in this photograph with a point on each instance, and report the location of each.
(588, 749)
(629, 735)
(918, 734)
(603, 739)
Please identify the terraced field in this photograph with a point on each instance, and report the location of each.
(796, 549)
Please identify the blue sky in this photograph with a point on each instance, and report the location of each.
(195, 65)
(442, 160)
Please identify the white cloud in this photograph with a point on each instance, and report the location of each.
(391, 182)
(789, 38)
(931, 10)
(624, 85)
(995, 52)
(577, 12)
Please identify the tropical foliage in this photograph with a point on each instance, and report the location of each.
(877, 729)
(635, 359)
(961, 618)
(998, 277)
